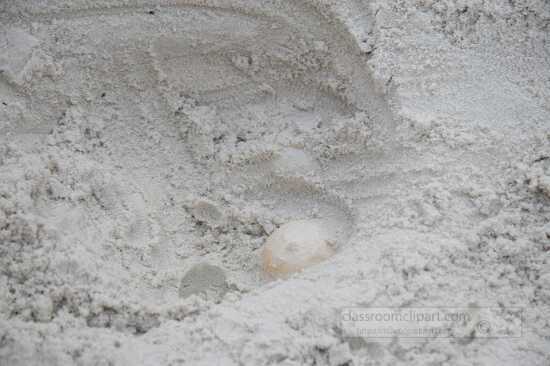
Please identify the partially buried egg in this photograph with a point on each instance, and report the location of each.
(297, 245)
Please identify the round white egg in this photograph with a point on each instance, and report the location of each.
(297, 245)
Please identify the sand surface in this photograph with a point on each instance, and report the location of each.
(148, 149)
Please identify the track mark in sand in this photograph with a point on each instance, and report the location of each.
(262, 98)
(263, 107)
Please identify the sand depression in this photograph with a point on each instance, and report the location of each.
(220, 124)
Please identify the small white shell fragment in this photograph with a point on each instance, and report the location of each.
(297, 245)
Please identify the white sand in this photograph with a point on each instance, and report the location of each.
(140, 139)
